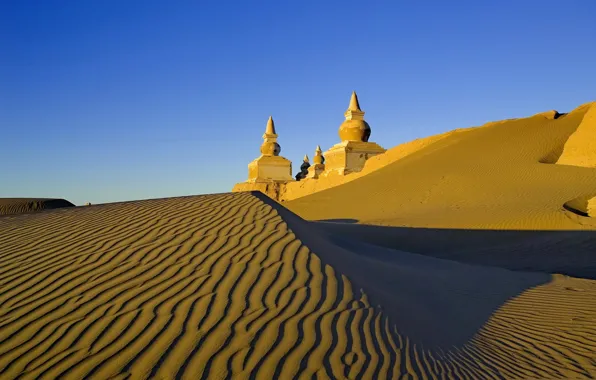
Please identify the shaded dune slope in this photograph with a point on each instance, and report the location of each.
(235, 285)
(565, 252)
(12, 206)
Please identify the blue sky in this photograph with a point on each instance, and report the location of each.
(107, 101)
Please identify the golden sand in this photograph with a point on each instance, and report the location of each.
(233, 284)
(499, 176)
(455, 260)
(304, 187)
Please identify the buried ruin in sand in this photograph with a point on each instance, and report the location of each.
(355, 156)
(272, 174)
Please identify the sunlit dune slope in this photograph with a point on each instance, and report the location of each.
(581, 145)
(11, 206)
(234, 285)
(331, 179)
(499, 176)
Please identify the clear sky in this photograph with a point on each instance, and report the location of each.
(115, 100)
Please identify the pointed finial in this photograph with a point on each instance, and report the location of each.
(305, 159)
(354, 112)
(270, 130)
(319, 159)
(354, 105)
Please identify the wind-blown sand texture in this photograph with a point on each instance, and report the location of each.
(235, 285)
(457, 260)
(11, 206)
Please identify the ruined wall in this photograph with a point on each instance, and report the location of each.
(271, 189)
(297, 189)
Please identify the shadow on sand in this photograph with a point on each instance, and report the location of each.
(572, 253)
(434, 303)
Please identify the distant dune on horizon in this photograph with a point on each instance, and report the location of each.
(12, 206)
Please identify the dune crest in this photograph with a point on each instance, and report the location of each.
(192, 287)
(236, 285)
(458, 259)
(492, 177)
(552, 114)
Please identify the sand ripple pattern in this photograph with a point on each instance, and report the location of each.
(194, 287)
(218, 286)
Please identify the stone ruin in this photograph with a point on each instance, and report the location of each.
(270, 172)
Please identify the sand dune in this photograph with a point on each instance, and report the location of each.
(331, 179)
(499, 176)
(235, 285)
(189, 287)
(579, 148)
(12, 206)
(456, 256)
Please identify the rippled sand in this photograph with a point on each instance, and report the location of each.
(456, 260)
(235, 285)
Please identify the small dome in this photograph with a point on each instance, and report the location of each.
(270, 149)
(354, 130)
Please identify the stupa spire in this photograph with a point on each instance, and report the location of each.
(354, 112)
(270, 130)
(354, 105)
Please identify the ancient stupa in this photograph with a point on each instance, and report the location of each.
(354, 149)
(270, 166)
(303, 168)
(270, 170)
(318, 165)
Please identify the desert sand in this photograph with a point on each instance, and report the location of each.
(503, 175)
(457, 259)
